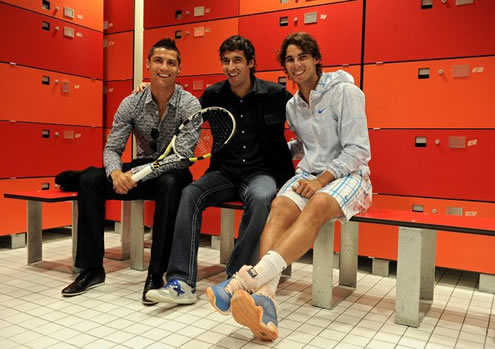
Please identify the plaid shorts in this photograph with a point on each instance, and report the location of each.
(352, 192)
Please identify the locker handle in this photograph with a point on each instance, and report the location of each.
(45, 80)
(45, 4)
(284, 21)
(282, 80)
(45, 186)
(426, 4)
(418, 208)
(423, 73)
(45, 25)
(420, 142)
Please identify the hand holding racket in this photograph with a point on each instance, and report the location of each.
(217, 128)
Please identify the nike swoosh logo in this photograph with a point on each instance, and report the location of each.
(321, 110)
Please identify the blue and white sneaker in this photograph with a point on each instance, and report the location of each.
(175, 292)
(220, 294)
(258, 312)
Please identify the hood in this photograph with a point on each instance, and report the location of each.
(328, 80)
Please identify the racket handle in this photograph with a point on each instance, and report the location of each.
(136, 177)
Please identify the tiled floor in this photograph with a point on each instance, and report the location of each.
(33, 314)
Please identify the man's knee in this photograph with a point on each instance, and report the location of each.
(325, 206)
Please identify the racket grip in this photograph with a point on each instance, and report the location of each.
(136, 177)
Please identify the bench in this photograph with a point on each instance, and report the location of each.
(415, 262)
(131, 221)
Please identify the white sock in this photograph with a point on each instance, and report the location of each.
(271, 265)
(270, 288)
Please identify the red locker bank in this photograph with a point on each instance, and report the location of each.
(81, 12)
(36, 95)
(450, 93)
(118, 16)
(337, 25)
(40, 150)
(113, 94)
(53, 44)
(250, 6)
(118, 56)
(449, 164)
(198, 44)
(159, 13)
(408, 30)
(196, 85)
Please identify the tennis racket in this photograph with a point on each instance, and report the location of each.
(217, 128)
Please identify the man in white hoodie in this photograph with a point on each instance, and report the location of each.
(331, 182)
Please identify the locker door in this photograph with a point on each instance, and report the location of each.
(118, 16)
(408, 30)
(336, 27)
(249, 6)
(37, 150)
(280, 77)
(198, 84)
(198, 44)
(53, 44)
(84, 13)
(118, 56)
(158, 13)
(450, 164)
(454, 250)
(14, 211)
(113, 94)
(454, 93)
(42, 96)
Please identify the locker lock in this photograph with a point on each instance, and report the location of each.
(57, 28)
(444, 1)
(434, 210)
(57, 8)
(295, 19)
(437, 141)
(440, 71)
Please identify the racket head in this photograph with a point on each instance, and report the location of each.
(217, 129)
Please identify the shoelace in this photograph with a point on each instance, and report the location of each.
(175, 285)
(235, 284)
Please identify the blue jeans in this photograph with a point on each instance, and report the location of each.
(213, 188)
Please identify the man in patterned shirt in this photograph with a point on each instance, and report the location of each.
(152, 115)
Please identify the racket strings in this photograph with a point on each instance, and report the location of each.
(216, 129)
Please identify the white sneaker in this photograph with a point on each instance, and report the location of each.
(175, 292)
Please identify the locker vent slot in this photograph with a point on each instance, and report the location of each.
(198, 85)
(310, 18)
(178, 14)
(423, 73)
(45, 186)
(418, 208)
(45, 133)
(463, 2)
(68, 134)
(282, 80)
(199, 11)
(45, 26)
(45, 4)
(284, 1)
(454, 211)
(425, 4)
(68, 12)
(178, 34)
(461, 70)
(457, 142)
(420, 142)
(284, 21)
(45, 80)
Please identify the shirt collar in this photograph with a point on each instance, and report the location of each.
(172, 101)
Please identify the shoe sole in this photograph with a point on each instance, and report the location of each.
(212, 298)
(247, 313)
(162, 299)
(82, 292)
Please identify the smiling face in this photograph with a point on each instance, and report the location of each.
(301, 66)
(163, 66)
(237, 69)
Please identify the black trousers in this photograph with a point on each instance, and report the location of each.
(95, 189)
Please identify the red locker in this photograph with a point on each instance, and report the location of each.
(454, 93)
(118, 56)
(249, 6)
(37, 150)
(48, 43)
(196, 85)
(84, 13)
(280, 76)
(454, 250)
(198, 44)
(113, 94)
(450, 164)
(406, 30)
(337, 28)
(118, 16)
(113, 211)
(35, 95)
(14, 211)
(159, 13)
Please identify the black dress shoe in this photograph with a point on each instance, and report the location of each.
(153, 282)
(87, 279)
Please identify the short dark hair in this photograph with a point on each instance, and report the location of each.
(237, 42)
(165, 43)
(306, 43)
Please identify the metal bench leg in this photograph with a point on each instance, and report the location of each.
(133, 230)
(408, 277)
(226, 234)
(34, 237)
(380, 267)
(428, 247)
(348, 254)
(323, 267)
